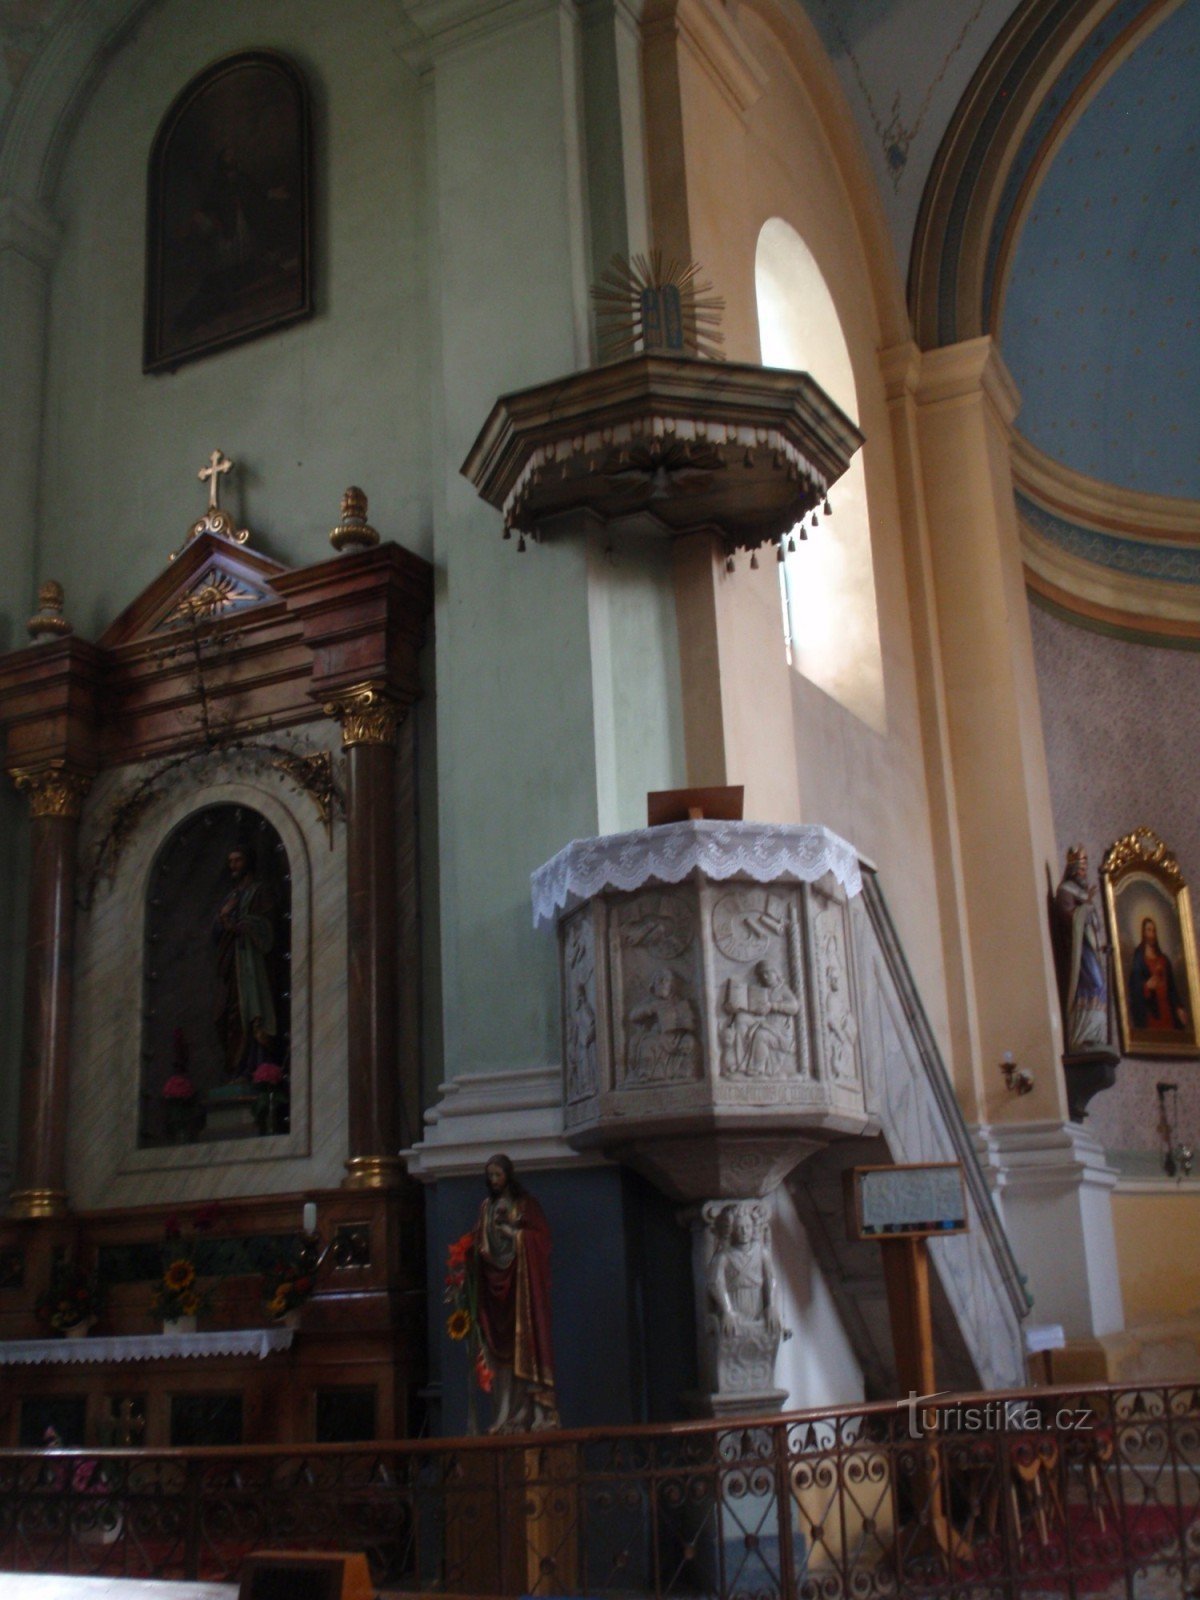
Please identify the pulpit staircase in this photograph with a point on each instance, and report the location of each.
(978, 1293)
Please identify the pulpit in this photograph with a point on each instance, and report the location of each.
(220, 963)
(711, 1041)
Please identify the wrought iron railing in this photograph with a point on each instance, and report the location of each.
(1087, 1492)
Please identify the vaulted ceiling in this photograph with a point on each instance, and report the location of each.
(1086, 256)
(1100, 317)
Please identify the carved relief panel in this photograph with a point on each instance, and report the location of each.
(759, 968)
(839, 1061)
(580, 1017)
(728, 998)
(656, 994)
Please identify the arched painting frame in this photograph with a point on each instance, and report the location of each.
(228, 206)
(1154, 947)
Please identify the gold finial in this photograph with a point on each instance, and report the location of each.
(216, 519)
(49, 622)
(353, 531)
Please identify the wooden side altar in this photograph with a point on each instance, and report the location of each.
(232, 693)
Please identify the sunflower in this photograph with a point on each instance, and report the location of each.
(189, 1304)
(458, 1324)
(278, 1306)
(179, 1275)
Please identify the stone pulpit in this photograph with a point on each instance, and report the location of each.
(711, 1041)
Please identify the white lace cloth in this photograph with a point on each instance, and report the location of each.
(767, 852)
(258, 1342)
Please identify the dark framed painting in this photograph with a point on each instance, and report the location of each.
(228, 212)
(1153, 945)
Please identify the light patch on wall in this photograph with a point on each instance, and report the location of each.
(829, 583)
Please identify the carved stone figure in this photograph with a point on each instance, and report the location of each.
(581, 1047)
(1083, 959)
(662, 1043)
(841, 1027)
(759, 1039)
(744, 1324)
(581, 1014)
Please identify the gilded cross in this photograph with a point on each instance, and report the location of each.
(218, 463)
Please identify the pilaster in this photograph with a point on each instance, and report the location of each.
(901, 369)
(1054, 1189)
(516, 730)
(29, 239)
(989, 726)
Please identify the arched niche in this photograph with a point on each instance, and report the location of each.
(216, 979)
(831, 620)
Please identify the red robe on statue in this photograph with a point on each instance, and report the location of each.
(514, 1294)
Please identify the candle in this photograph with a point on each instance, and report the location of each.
(310, 1216)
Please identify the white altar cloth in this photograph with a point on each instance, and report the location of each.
(767, 852)
(258, 1342)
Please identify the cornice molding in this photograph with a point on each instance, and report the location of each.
(1094, 504)
(961, 371)
(710, 34)
(900, 368)
(442, 27)
(1044, 1157)
(519, 1111)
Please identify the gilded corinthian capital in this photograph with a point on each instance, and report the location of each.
(366, 714)
(55, 790)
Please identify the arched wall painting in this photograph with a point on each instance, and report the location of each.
(216, 986)
(227, 214)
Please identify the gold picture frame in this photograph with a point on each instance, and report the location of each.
(1149, 911)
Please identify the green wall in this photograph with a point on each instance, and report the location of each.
(336, 400)
(453, 249)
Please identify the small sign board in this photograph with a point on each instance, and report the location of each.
(905, 1202)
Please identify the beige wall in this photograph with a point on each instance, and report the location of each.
(767, 135)
(1158, 1248)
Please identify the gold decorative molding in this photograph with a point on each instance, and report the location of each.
(26, 1204)
(374, 1172)
(54, 791)
(314, 775)
(366, 714)
(1142, 848)
(219, 592)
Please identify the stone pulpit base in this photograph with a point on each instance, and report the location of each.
(711, 1041)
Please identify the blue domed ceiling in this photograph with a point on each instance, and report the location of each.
(1100, 322)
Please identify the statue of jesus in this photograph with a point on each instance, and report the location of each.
(512, 1252)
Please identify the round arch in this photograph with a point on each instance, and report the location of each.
(831, 619)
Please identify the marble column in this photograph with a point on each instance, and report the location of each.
(369, 720)
(56, 794)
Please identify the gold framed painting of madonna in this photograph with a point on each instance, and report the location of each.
(1153, 941)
